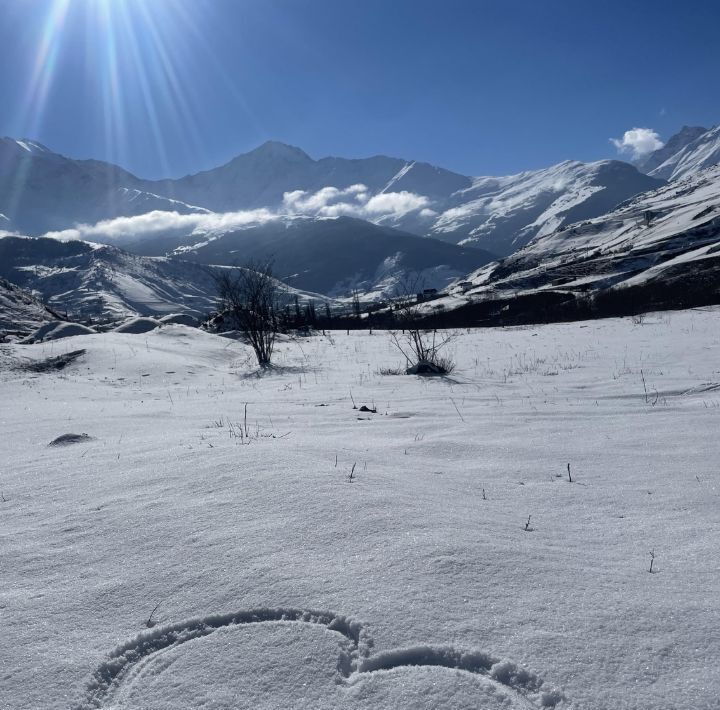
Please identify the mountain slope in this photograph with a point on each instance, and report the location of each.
(93, 281)
(102, 282)
(686, 135)
(703, 152)
(661, 249)
(497, 214)
(42, 191)
(261, 177)
(330, 256)
(503, 214)
(20, 311)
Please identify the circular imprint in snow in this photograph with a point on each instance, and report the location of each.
(293, 658)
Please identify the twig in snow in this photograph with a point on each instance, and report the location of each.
(457, 410)
(150, 623)
(652, 559)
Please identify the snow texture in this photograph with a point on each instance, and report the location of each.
(207, 548)
(672, 232)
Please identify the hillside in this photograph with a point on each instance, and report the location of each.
(659, 250)
(20, 311)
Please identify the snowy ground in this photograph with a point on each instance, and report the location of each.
(282, 584)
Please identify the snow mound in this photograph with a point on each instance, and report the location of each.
(54, 330)
(137, 326)
(179, 319)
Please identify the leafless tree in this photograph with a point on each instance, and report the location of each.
(250, 294)
(420, 346)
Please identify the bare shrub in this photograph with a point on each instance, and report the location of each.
(419, 346)
(250, 295)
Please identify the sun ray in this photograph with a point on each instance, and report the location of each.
(32, 108)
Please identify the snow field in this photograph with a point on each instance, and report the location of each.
(424, 573)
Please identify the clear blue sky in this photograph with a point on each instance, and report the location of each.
(167, 87)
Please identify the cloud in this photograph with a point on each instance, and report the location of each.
(328, 202)
(126, 229)
(638, 141)
(355, 201)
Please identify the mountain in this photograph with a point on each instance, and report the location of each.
(94, 281)
(330, 256)
(652, 161)
(20, 311)
(700, 153)
(42, 191)
(658, 250)
(261, 177)
(498, 214)
(503, 214)
(89, 281)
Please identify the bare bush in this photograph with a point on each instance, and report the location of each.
(250, 295)
(420, 347)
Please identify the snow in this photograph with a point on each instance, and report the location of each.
(137, 326)
(398, 176)
(642, 240)
(20, 311)
(701, 153)
(179, 319)
(502, 214)
(54, 330)
(279, 583)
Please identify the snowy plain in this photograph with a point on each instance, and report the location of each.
(460, 568)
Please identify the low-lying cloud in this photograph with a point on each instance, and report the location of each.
(125, 229)
(355, 201)
(638, 142)
(328, 202)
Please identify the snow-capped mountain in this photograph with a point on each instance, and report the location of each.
(651, 161)
(261, 178)
(86, 280)
(698, 154)
(497, 214)
(329, 256)
(20, 311)
(503, 214)
(660, 249)
(42, 191)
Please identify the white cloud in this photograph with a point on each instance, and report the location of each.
(124, 229)
(355, 201)
(328, 202)
(638, 141)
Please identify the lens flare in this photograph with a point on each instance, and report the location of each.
(141, 84)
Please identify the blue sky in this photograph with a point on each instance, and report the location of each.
(168, 87)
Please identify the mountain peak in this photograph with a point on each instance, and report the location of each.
(280, 151)
(676, 143)
(26, 144)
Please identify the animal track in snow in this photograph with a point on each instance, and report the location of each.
(355, 662)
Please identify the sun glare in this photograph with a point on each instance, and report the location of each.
(137, 58)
